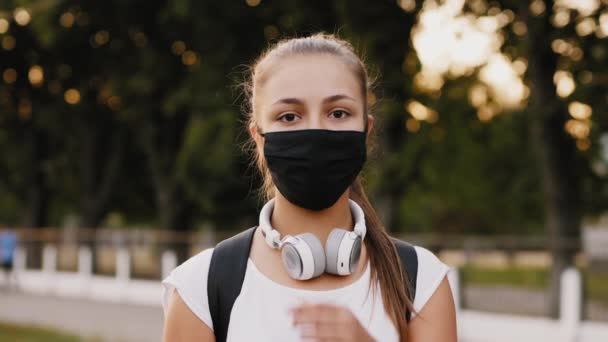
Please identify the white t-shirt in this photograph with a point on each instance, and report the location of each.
(260, 312)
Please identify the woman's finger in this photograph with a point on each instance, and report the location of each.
(321, 331)
(312, 313)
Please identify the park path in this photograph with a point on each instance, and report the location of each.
(112, 322)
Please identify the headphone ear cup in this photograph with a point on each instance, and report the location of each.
(332, 249)
(318, 254)
(304, 259)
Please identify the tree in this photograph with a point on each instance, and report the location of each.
(541, 35)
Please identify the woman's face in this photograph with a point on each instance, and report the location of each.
(310, 92)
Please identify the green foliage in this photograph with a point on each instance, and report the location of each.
(596, 285)
(535, 278)
(474, 177)
(179, 126)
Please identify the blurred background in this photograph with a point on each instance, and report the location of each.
(122, 132)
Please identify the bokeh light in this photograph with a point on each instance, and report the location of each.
(4, 25)
(253, 3)
(178, 47)
(115, 103)
(478, 95)
(584, 7)
(8, 42)
(36, 75)
(564, 83)
(603, 21)
(412, 125)
(561, 18)
(578, 128)
(579, 110)
(100, 38)
(428, 80)
(189, 58)
(585, 27)
(24, 109)
(508, 90)
(22, 16)
(583, 144)
(72, 96)
(537, 7)
(407, 5)
(421, 112)
(451, 44)
(67, 19)
(9, 75)
(486, 112)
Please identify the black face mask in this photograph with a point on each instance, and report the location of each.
(313, 167)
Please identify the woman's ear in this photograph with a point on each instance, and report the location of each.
(370, 124)
(253, 131)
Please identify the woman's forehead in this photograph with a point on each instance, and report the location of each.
(309, 78)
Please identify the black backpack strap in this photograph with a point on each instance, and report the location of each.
(226, 275)
(409, 264)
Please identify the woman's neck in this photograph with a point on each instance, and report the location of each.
(290, 219)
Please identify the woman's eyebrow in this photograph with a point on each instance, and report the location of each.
(337, 97)
(333, 98)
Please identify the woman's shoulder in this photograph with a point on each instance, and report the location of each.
(194, 267)
(431, 271)
(189, 279)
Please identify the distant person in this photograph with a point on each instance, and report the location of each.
(8, 245)
(296, 276)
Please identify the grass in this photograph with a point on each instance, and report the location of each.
(21, 333)
(596, 284)
(533, 278)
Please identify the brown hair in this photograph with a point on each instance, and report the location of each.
(384, 260)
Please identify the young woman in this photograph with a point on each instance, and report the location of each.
(309, 125)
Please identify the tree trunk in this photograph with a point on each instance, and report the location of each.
(173, 215)
(100, 170)
(37, 195)
(173, 210)
(556, 154)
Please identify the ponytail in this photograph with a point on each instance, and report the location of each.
(385, 263)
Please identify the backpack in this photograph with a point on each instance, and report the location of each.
(227, 272)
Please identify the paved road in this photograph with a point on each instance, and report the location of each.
(109, 321)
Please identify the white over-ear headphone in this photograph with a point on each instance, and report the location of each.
(303, 255)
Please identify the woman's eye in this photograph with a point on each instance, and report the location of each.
(339, 114)
(289, 117)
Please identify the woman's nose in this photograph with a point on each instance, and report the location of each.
(316, 121)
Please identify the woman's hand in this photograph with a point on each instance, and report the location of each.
(326, 322)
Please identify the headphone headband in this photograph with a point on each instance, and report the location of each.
(273, 237)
